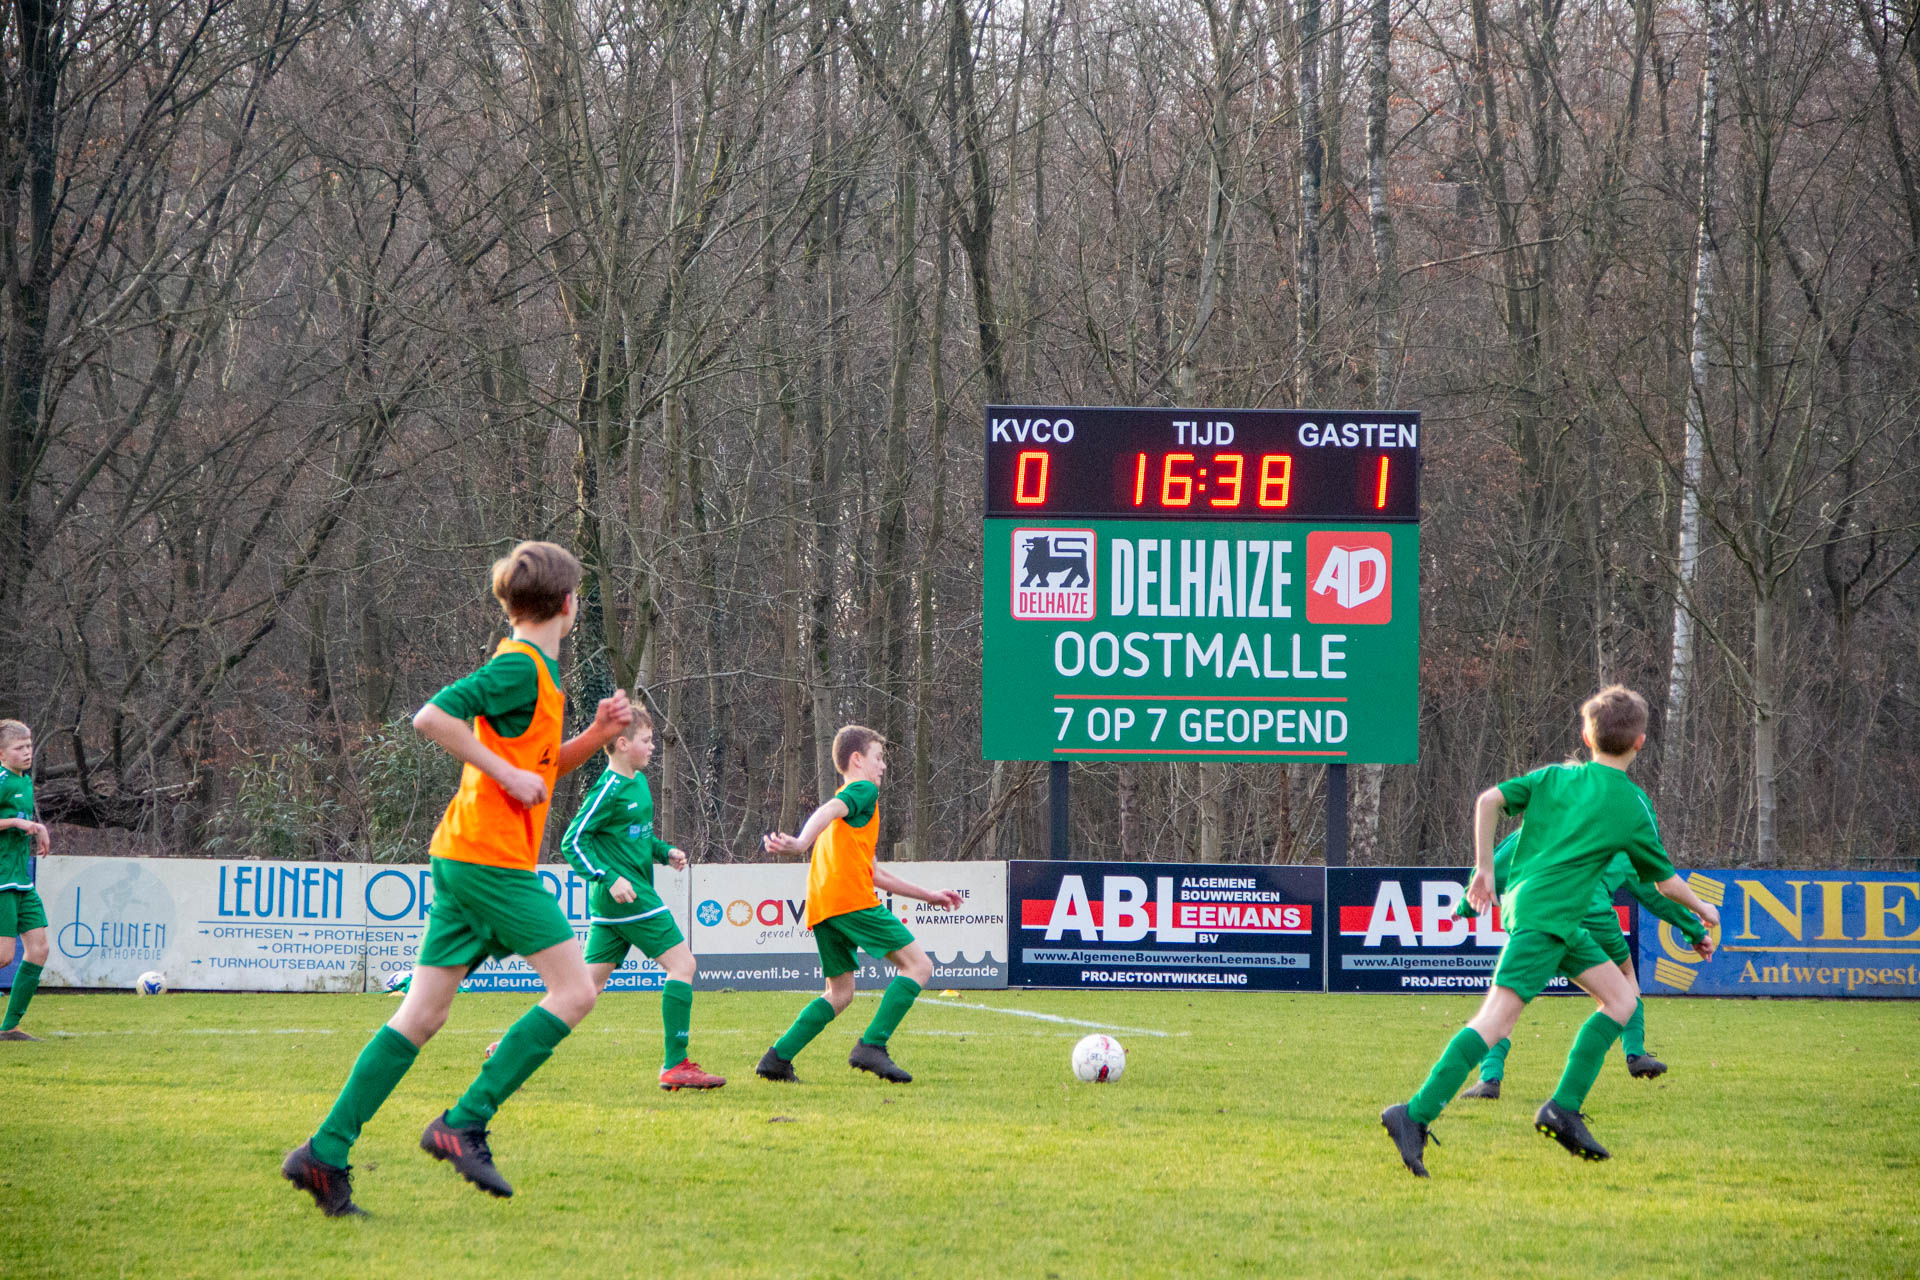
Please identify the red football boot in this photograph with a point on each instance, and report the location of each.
(688, 1075)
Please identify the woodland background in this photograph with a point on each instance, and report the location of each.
(312, 307)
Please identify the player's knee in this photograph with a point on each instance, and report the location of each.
(682, 971)
(36, 950)
(575, 1001)
(6, 952)
(918, 968)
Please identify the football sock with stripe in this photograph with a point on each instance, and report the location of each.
(812, 1021)
(676, 1017)
(1462, 1054)
(1633, 1037)
(528, 1043)
(899, 997)
(1584, 1060)
(1494, 1065)
(375, 1072)
(25, 982)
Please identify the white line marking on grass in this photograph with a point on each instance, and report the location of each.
(198, 1031)
(1046, 1017)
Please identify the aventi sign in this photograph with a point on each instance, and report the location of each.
(1170, 584)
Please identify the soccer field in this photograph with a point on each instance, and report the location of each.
(144, 1139)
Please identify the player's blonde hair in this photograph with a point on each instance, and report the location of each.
(854, 740)
(1615, 718)
(533, 580)
(12, 729)
(642, 719)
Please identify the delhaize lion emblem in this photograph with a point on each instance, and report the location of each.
(1053, 572)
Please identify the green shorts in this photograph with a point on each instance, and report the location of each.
(480, 912)
(21, 911)
(876, 931)
(1531, 959)
(1604, 928)
(654, 933)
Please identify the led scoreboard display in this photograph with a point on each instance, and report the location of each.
(1190, 584)
(1246, 465)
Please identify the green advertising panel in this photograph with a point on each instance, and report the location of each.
(1195, 601)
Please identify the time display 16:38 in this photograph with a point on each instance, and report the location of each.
(1224, 481)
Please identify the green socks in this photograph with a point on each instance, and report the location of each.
(899, 997)
(1633, 1037)
(25, 983)
(378, 1068)
(1463, 1053)
(812, 1021)
(1494, 1065)
(528, 1043)
(676, 1016)
(1585, 1059)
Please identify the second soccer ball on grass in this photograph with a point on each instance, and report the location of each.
(1099, 1059)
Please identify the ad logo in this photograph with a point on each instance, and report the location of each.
(1053, 572)
(1350, 578)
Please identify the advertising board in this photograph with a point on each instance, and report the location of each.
(1157, 925)
(1393, 929)
(1794, 933)
(749, 926)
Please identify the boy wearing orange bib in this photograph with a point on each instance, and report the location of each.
(487, 899)
(845, 914)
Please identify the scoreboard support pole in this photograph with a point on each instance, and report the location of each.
(1057, 796)
(1336, 815)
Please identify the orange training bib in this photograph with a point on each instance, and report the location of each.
(483, 823)
(840, 878)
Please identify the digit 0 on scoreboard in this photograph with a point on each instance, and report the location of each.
(1192, 464)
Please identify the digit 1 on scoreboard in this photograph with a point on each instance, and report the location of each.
(1380, 489)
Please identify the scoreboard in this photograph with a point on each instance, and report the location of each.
(1201, 584)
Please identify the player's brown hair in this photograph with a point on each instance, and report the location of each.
(854, 740)
(1615, 717)
(642, 719)
(533, 580)
(11, 729)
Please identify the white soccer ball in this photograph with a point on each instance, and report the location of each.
(1098, 1059)
(398, 981)
(151, 983)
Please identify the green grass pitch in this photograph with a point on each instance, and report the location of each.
(144, 1139)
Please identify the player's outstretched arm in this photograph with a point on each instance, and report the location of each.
(1486, 821)
(456, 737)
(613, 715)
(887, 882)
(1676, 888)
(781, 842)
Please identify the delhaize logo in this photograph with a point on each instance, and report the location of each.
(1350, 578)
(1053, 573)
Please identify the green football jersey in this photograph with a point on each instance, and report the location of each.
(612, 836)
(16, 846)
(506, 690)
(1618, 872)
(1578, 816)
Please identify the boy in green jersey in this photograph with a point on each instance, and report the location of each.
(611, 842)
(1577, 817)
(844, 912)
(21, 914)
(505, 724)
(1602, 924)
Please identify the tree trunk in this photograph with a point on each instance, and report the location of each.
(1680, 668)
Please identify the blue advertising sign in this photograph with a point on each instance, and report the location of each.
(1155, 926)
(1393, 929)
(1794, 933)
